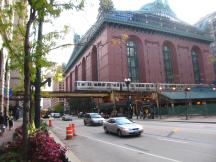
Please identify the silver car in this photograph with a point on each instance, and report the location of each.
(122, 126)
(93, 119)
(67, 117)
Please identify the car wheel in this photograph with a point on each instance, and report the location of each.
(119, 133)
(106, 131)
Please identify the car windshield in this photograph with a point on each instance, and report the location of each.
(123, 121)
(95, 116)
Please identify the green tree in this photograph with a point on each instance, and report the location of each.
(25, 48)
(59, 108)
(105, 6)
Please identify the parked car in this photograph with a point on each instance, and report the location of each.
(122, 127)
(67, 117)
(55, 115)
(46, 116)
(93, 119)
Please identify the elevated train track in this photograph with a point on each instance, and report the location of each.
(133, 87)
(99, 89)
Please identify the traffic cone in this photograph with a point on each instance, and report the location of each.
(69, 133)
(74, 129)
(50, 122)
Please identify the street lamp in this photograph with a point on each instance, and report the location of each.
(127, 82)
(158, 98)
(186, 90)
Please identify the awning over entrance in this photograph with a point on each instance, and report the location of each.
(199, 93)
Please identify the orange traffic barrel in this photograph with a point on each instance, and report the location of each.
(50, 122)
(69, 132)
(74, 129)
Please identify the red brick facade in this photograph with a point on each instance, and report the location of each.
(104, 60)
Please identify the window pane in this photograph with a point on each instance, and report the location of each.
(167, 53)
(196, 67)
(132, 61)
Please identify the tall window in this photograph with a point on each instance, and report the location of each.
(132, 61)
(196, 67)
(168, 64)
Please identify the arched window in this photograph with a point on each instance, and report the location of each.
(168, 64)
(196, 67)
(132, 61)
(94, 64)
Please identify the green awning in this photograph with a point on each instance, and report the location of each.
(195, 93)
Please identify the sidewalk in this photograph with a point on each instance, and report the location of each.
(191, 119)
(69, 154)
(8, 134)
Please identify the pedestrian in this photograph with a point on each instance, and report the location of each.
(146, 113)
(137, 113)
(10, 120)
(141, 114)
(5, 120)
(1, 124)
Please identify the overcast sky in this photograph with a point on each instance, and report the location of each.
(189, 11)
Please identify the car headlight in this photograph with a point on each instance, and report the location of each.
(141, 128)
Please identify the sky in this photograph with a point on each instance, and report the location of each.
(189, 11)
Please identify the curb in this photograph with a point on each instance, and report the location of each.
(208, 122)
(69, 154)
(183, 121)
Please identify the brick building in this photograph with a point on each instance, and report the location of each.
(147, 45)
(208, 25)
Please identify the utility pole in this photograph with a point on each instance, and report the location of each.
(186, 90)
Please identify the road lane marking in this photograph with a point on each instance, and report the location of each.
(127, 148)
(131, 149)
(172, 140)
(175, 130)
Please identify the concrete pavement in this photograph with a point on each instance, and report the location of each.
(69, 153)
(191, 119)
(8, 134)
(195, 119)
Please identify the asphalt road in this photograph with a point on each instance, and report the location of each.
(160, 142)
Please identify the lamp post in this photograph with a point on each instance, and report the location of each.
(127, 82)
(158, 98)
(186, 90)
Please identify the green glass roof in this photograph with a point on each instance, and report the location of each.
(153, 17)
(158, 7)
(205, 23)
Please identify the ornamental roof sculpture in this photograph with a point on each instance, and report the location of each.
(158, 7)
(154, 17)
(205, 22)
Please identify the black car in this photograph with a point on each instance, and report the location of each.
(81, 114)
